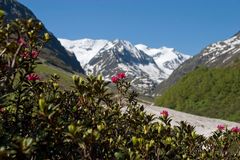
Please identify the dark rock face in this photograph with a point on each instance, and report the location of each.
(219, 54)
(54, 53)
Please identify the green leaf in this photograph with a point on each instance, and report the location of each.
(119, 155)
(2, 13)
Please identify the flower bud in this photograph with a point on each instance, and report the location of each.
(140, 140)
(168, 140)
(159, 128)
(100, 127)
(41, 103)
(134, 140)
(99, 77)
(89, 131)
(55, 85)
(75, 78)
(184, 156)
(2, 13)
(96, 134)
(30, 33)
(151, 143)
(46, 36)
(145, 129)
(110, 140)
(81, 80)
(71, 128)
(40, 24)
(147, 147)
(193, 134)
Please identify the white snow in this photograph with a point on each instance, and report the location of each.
(163, 55)
(162, 61)
(152, 71)
(222, 47)
(147, 50)
(84, 49)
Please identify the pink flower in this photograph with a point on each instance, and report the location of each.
(115, 79)
(24, 55)
(235, 129)
(121, 75)
(34, 54)
(33, 77)
(2, 110)
(21, 41)
(221, 127)
(164, 113)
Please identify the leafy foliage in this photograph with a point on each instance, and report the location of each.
(212, 92)
(39, 120)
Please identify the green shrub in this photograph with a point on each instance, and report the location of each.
(39, 120)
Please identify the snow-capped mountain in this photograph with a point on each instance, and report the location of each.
(145, 66)
(219, 54)
(84, 49)
(167, 59)
(122, 56)
(222, 51)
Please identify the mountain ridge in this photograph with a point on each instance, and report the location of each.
(108, 57)
(219, 54)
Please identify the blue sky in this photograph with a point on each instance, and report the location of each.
(187, 25)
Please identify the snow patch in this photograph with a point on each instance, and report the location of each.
(84, 49)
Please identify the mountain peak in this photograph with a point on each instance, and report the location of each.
(84, 49)
(143, 64)
(123, 43)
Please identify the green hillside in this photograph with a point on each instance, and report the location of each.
(213, 92)
(46, 70)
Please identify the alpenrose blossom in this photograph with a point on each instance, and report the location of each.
(164, 113)
(221, 127)
(121, 75)
(2, 110)
(115, 79)
(34, 54)
(235, 129)
(21, 41)
(32, 77)
(24, 55)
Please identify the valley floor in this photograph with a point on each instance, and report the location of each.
(203, 125)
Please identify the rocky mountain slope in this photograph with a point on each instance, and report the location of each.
(168, 59)
(219, 54)
(145, 66)
(54, 53)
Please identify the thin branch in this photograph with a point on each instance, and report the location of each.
(15, 56)
(3, 52)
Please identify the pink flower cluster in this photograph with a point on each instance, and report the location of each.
(26, 55)
(2, 110)
(221, 127)
(164, 113)
(34, 54)
(119, 76)
(21, 41)
(33, 77)
(235, 129)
